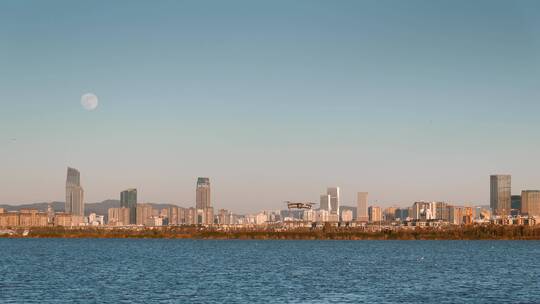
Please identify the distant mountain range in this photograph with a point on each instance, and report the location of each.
(97, 208)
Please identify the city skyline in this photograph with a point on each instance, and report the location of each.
(501, 198)
(504, 209)
(502, 202)
(408, 101)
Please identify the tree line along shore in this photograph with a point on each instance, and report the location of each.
(474, 232)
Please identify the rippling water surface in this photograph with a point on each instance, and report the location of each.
(203, 271)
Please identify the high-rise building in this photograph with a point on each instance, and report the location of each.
(375, 214)
(362, 207)
(177, 215)
(500, 194)
(325, 202)
(334, 199)
(119, 216)
(389, 214)
(224, 217)
(203, 202)
(203, 198)
(144, 212)
(128, 199)
(468, 215)
(423, 211)
(402, 213)
(530, 202)
(456, 214)
(191, 216)
(442, 212)
(74, 193)
(209, 216)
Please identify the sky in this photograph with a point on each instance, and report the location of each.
(273, 100)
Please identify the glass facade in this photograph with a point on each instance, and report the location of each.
(128, 199)
(74, 193)
(500, 194)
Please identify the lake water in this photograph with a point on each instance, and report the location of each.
(234, 271)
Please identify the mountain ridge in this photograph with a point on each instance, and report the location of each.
(99, 208)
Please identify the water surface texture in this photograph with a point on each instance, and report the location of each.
(204, 271)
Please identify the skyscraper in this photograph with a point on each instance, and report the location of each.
(362, 207)
(334, 199)
(500, 194)
(325, 202)
(203, 193)
(74, 193)
(128, 199)
(203, 201)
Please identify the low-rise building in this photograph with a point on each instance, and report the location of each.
(63, 220)
(154, 221)
(347, 216)
(32, 218)
(260, 218)
(322, 216)
(9, 219)
(309, 215)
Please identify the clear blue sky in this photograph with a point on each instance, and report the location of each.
(273, 100)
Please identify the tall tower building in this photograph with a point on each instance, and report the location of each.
(500, 194)
(74, 193)
(362, 207)
(325, 202)
(203, 193)
(203, 201)
(128, 199)
(334, 199)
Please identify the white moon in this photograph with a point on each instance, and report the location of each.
(89, 101)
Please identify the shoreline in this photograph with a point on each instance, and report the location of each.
(491, 232)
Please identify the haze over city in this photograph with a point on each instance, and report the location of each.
(407, 101)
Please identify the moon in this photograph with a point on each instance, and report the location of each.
(89, 101)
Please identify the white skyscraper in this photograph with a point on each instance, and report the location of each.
(333, 192)
(74, 193)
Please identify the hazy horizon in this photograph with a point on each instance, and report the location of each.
(273, 101)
